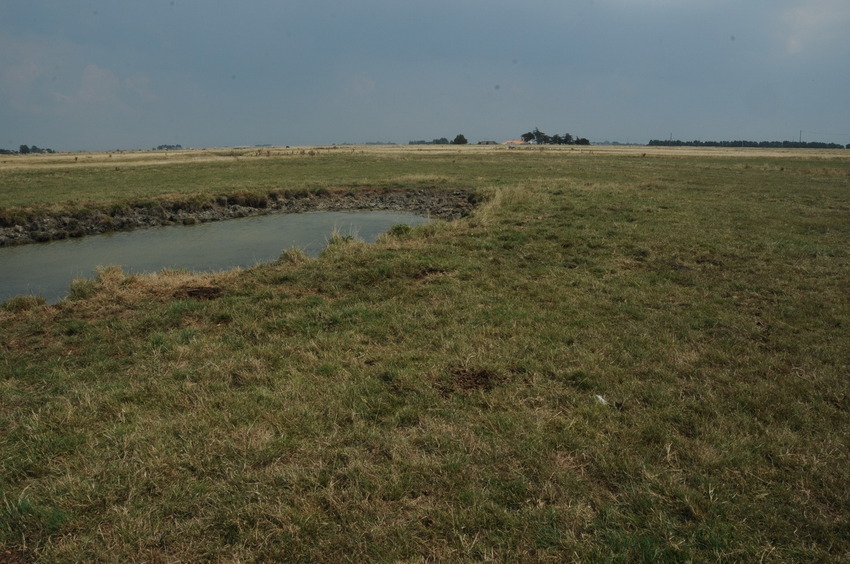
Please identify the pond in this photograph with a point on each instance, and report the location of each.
(47, 269)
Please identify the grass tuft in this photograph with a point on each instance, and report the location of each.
(294, 256)
(22, 519)
(19, 304)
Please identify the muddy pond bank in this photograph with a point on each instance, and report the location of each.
(430, 202)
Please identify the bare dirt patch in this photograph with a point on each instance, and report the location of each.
(462, 380)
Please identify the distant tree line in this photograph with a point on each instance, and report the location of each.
(26, 150)
(458, 140)
(536, 136)
(167, 147)
(539, 138)
(440, 141)
(760, 144)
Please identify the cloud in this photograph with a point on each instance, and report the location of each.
(17, 84)
(47, 76)
(652, 3)
(815, 24)
(360, 86)
(99, 86)
(102, 90)
(23, 66)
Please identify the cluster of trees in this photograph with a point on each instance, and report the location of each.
(537, 137)
(760, 144)
(458, 140)
(540, 138)
(440, 141)
(25, 150)
(167, 147)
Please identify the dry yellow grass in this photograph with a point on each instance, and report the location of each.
(226, 154)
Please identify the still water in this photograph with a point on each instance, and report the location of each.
(47, 269)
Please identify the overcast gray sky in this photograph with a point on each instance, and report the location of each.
(120, 74)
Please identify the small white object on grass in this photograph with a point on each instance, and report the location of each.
(601, 400)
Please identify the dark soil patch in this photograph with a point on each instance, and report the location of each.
(12, 556)
(469, 380)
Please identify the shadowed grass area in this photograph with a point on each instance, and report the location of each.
(615, 359)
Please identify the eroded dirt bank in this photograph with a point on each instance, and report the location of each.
(432, 202)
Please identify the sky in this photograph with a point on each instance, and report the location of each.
(120, 74)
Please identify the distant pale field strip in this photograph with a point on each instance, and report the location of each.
(224, 154)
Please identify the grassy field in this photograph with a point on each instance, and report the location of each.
(623, 356)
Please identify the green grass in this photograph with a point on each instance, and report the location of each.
(122, 180)
(433, 397)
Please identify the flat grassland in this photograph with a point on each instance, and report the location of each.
(625, 355)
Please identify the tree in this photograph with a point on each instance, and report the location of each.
(540, 138)
(460, 140)
(24, 150)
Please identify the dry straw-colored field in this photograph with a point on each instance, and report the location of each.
(181, 156)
